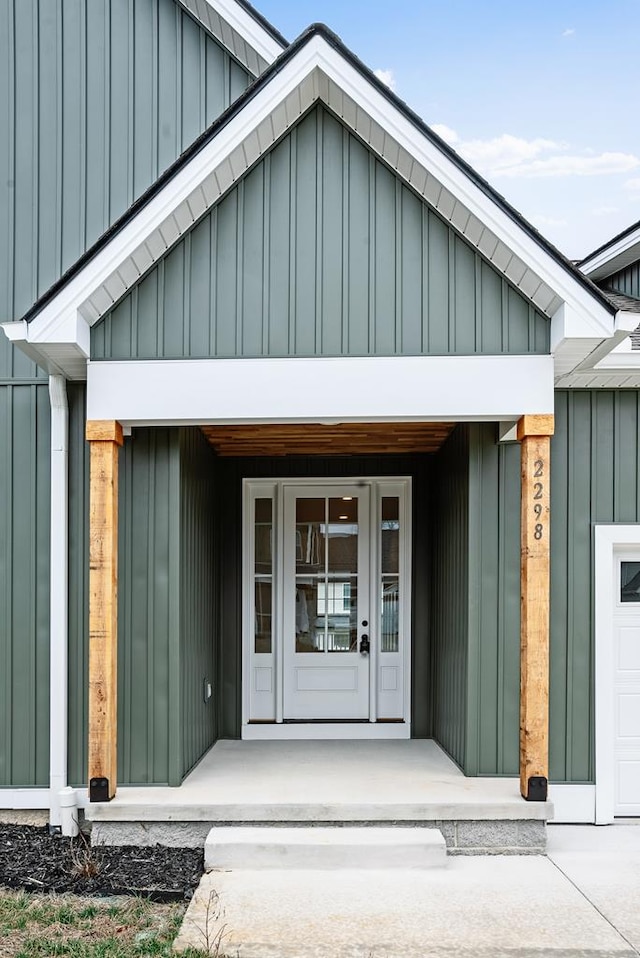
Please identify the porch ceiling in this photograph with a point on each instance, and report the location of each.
(306, 439)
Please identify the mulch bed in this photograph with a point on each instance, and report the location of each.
(34, 860)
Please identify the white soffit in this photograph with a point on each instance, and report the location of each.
(243, 35)
(416, 388)
(319, 72)
(614, 257)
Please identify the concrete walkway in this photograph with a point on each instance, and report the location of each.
(582, 900)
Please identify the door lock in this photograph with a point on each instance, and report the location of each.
(365, 645)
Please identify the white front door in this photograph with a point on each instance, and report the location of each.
(327, 608)
(326, 613)
(626, 639)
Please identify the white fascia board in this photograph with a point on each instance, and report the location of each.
(423, 388)
(250, 29)
(620, 361)
(626, 321)
(613, 257)
(15, 332)
(591, 318)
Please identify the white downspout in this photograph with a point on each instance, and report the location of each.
(59, 599)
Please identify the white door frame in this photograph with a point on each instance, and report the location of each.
(611, 540)
(271, 725)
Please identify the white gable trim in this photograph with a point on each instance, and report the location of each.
(318, 71)
(614, 257)
(243, 35)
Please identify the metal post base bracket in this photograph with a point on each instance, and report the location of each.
(537, 789)
(99, 790)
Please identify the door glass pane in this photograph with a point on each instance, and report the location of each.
(264, 536)
(390, 534)
(310, 616)
(390, 581)
(263, 616)
(342, 534)
(337, 599)
(630, 581)
(310, 535)
(263, 548)
(390, 605)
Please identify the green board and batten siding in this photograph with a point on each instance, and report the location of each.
(96, 103)
(166, 612)
(595, 463)
(320, 251)
(199, 634)
(626, 281)
(450, 595)
(24, 584)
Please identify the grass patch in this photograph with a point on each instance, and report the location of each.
(46, 926)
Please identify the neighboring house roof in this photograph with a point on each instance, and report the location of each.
(631, 304)
(252, 40)
(613, 256)
(317, 67)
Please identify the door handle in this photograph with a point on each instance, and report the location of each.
(365, 645)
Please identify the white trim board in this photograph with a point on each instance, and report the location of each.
(417, 388)
(614, 257)
(573, 804)
(316, 731)
(318, 71)
(243, 35)
(609, 539)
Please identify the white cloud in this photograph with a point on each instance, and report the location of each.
(516, 157)
(448, 135)
(604, 210)
(505, 152)
(633, 185)
(568, 165)
(387, 77)
(568, 32)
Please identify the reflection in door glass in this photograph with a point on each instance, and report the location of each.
(310, 624)
(263, 539)
(310, 535)
(390, 582)
(342, 533)
(630, 581)
(326, 574)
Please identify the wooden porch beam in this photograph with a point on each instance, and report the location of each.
(105, 438)
(534, 433)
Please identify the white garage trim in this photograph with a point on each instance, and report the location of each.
(417, 388)
(609, 540)
(573, 804)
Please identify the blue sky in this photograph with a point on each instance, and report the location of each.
(542, 98)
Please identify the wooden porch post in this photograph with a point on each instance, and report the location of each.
(105, 438)
(534, 433)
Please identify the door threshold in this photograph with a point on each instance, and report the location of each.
(308, 731)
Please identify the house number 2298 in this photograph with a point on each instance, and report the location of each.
(538, 489)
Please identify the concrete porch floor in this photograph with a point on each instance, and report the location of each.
(320, 781)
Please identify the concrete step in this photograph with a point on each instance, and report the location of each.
(256, 847)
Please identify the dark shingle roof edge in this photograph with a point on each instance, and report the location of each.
(316, 29)
(630, 304)
(615, 239)
(264, 23)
